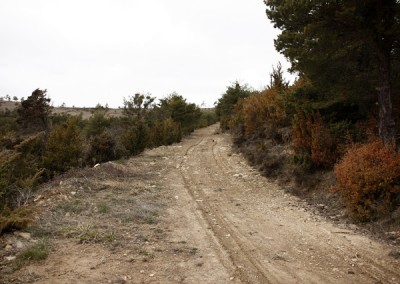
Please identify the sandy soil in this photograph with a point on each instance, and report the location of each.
(194, 212)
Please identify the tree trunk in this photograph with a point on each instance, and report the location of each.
(387, 126)
(385, 20)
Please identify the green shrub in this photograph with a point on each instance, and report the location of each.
(36, 252)
(187, 115)
(368, 178)
(16, 219)
(64, 148)
(20, 171)
(136, 138)
(33, 113)
(165, 132)
(97, 123)
(102, 148)
(226, 104)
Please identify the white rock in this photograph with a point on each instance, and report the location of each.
(26, 236)
(37, 198)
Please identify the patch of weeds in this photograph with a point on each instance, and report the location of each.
(75, 206)
(145, 213)
(109, 237)
(87, 234)
(36, 252)
(141, 238)
(185, 250)
(103, 208)
(193, 251)
(147, 255)
(15, 219)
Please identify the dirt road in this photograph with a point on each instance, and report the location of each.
(217, 221)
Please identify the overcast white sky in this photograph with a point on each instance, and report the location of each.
(86, 52)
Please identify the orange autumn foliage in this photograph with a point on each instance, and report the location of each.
(368, 179)
(313, 139)
(260, 109)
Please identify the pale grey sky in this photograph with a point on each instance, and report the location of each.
(86, 52)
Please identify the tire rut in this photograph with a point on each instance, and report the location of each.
(372, 269)
(206, 168)
(248, 270)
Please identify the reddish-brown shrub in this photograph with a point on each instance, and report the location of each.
(368, 180)
(301, 133)
(323, 143)
(255, 112)
(313, 139)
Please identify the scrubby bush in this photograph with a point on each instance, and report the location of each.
(64, 148)
(226, 104)
(136, 137)
(313, 141)
(101, 148)
(97, 123)
(17, 219)
(187, 115)
(165, 132)
(8, 122)
(368, 179)
(20, 171)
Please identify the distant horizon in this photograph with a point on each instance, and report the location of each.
(2, 100)
(114, 49)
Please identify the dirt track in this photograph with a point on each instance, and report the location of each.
(220, 222)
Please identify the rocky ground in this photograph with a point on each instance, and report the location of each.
(194, 212)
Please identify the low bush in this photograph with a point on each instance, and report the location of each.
(368, 179)
(313, 140)
(36, 252)
(102, 148)
(136, 137)
(64, 147)
(165, 132)
(20, 171)
(14, 219)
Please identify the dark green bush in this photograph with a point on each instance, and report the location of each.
(136, 138)
(20, 171)
(165, 132)
(102, 148)
(64, 148)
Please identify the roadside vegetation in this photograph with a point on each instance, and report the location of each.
(36, 145)
(333, 133)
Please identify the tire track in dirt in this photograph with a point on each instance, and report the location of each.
(293, 254)
(253, 272)
(373, 268)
